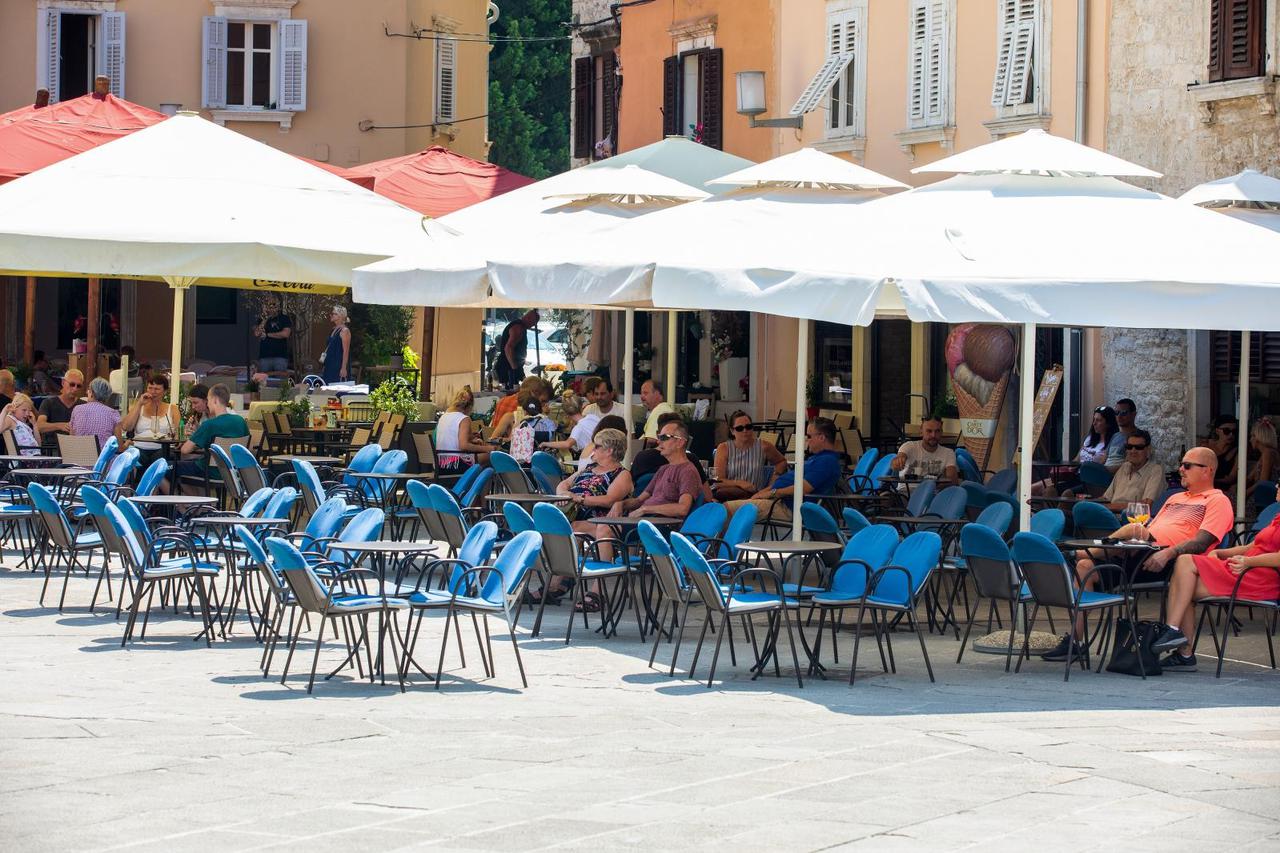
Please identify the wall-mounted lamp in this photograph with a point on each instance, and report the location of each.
(751, 101)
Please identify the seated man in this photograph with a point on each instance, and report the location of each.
(1126, 414)
(1190, 522)
(219, 423)
(821, 473)
(649, 460)
(655, 402)
(927, 457)
(1217, 573)
(674, 487)
(1138, 478)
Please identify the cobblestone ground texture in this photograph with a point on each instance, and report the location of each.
(169, 745)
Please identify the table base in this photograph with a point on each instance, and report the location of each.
(997, 643)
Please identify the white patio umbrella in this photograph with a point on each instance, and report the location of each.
(1252, 197)
(188, 201)
(719, 238)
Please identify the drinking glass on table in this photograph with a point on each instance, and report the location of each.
(1138, 512)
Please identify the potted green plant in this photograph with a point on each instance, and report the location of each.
(812, 396)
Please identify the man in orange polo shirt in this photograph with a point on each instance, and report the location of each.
(1190, 522)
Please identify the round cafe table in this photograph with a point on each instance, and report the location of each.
(224, 526)
(789, 551)
(31, 460)
(174, 505)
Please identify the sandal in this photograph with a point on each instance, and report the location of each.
(590, 603)
(553, 598)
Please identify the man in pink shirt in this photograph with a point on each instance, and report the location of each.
(674, 487)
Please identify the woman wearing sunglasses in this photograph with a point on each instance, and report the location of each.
(743, 463)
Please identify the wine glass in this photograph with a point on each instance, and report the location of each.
(1143, 514)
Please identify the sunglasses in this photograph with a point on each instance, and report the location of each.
(73, 385)
(666, 435)
(1124, 413)
(1136, 446)
(1185, 465)
(746, 428)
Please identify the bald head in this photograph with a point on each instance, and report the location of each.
(1197, 469)
(1203, 455)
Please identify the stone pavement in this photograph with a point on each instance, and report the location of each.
(172, 746)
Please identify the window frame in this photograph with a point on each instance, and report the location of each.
(446, 59)
(944, 84)
(274, 49)
(844, 13)
(704, 54)
(1041, 49)
(47, 62)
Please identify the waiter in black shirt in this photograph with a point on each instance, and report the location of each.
(273, 329)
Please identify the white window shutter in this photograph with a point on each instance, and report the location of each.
(214, 75)
(938, 63)
(918, 83)
(47, 62)
(855, 46)
(446, 79)
(112, 55)
(293, 65)
(1020, 64)
(821, 83)
(1008, 23)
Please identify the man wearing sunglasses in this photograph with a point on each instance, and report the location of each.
(1138, 478)
(1126, 416)
(822, 468)
(676, 484)
(55, 412)
(1190, 522)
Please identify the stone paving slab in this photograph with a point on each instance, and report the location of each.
(168, 745)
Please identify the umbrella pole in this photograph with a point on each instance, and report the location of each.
(29, 329)
(1026, 403)
(178, 285)
(1242, 429)
(673, 323)
(802, 376)
(628, 375)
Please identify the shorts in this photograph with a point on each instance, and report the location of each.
(273, 365)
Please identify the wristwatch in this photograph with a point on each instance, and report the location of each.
(773, 493)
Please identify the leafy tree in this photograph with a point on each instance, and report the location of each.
(529, 88)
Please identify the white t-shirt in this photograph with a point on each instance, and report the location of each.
(926, 463)
(594, 409)
(651, 424)
(582, 431)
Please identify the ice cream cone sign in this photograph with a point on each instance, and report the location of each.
(979, 359)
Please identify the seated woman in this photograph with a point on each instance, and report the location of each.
(151, 419)
(1104, 430)
(742, 463)
(1256, 567)
(457, 449)
(538, 390)
(581, 427)
(597, 487)
(1262, 441)
(19, 418)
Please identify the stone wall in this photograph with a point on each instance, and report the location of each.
(1150, 367)
(1157, 48)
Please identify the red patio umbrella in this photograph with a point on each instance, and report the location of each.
(438, 181)
(34, 137)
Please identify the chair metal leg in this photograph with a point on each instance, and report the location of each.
(716, 656)
(657, 633)
(706, 623)
(857, 641)
(315, 658)
(911, 616)
(444, 643)
(791, 641)
(678, 626)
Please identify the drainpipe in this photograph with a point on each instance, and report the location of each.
(1082, 70)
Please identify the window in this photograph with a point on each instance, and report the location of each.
(73, 47)
(258, 65)
(833, 364)
(1237, 29)
(840, 84)
(929, 63)
(1018, 66)
(446, 80)
(693, 96)
(594, 105)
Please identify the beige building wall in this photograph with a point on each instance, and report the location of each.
(357, 77)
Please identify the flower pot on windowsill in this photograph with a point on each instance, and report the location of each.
(810, 412)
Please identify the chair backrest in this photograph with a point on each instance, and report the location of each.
(390, 462)
(478, 489)
(120, 468)
(545, 485)
(1004, 481)
(921, 495)
(1049, 523)
(854, 521)
(420, 500)
(968, 466)
(547, 464)
(1160, 501)
(251, 474)
(135, 519)
(258, 555)
(705, 521)
(873, 545)
(996, 517)
(989, 562)
(1093, 520)
(227, 471)
(478, 544)
(1095, 476)
(453, 527)
(80, 450)
(110, 448)
(365, 526)
(151, 478)
(1264, 519)
(818, 523)
(309, 484)
(132, 550)
(862, 470)
(880, 469)
(281, 503)
(326, 519)
(468, 477)
(699, 572)
(918, 554)
(362, 463)
(671, 582)
(949, 503)
(95, 503)
(642, 482)
(256, 502)
(10, 443)
(508, 471)
(1044, 570)
(558, 543)
(1264, 494)
(741, 523)
(425, 448)
(517, 517)
(52, 514)
(512, 565)
(309, 592)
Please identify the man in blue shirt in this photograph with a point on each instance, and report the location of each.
(821, 473)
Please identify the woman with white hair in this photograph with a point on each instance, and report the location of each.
(95, 417)
(337, 352)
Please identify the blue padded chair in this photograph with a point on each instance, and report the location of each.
(508, 472)
(276, 602)
(1005, 481)
(724, 604)
(705, 522)
(979, 496)
(642, 482)
(494, 591)
(114, 481)
(674, 593)
(308, 480)
(143, 561)
(860, 479)
(564, 558)
(477, 490)
(948, 503)
(517, 518)
(1049, 523)
(251, 473)
(997, 517)
(227, 480)
(65, 541)
(1262, 522)
(819, 524)
(365, 526)
(546, 464)
(1164, 496)
(322, 526)
(881, 469)
(327, 601)
(420, 500)
(968, 466)
(281, 503)
(921, 497)
(374, 491)
(152, 478)
(361, 463)
(1264, 495)
(453, 525)
(866, 552)
(546, 485)
(1093, 520)
(1052, 583)
(893, 588)
(996, 577)
(722, 552)
(464, 481)
(854, 521)
(1095, 477)
(110, 448)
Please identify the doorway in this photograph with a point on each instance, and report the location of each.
(77, 54)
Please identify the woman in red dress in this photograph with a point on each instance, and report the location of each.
(1255, 567)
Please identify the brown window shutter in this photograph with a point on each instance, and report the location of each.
(712, 74)
(1215, 39)
(671, 96)
(583, 92)
(610, 106)
(1244, 37)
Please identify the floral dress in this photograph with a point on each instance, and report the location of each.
(592, 483)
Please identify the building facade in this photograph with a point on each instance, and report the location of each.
(342, 83)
